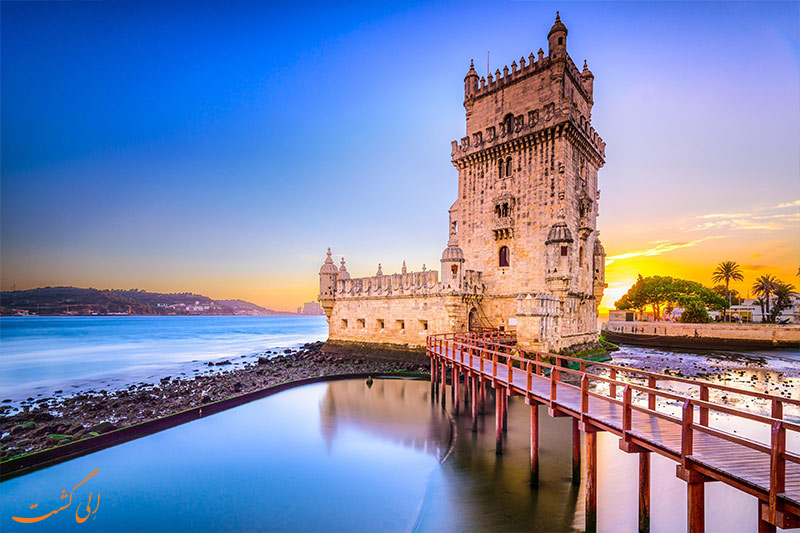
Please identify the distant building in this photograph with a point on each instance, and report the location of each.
(198, 307)
(299, 310)
(311, 308)
(750, 311)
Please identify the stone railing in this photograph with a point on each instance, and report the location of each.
(409, 284)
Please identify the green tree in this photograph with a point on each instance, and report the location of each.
(783, 300)
(694, 313)
(763, 288)
(727, 271)
(664, 292)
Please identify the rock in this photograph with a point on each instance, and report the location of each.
(225, 362)
(103, 427)
(263, 361)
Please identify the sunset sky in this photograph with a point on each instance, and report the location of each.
(220, 148)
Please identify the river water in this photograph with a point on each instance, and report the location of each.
(344, 456)
(341, 455)
(39, 355)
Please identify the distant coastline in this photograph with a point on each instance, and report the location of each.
(76, 301)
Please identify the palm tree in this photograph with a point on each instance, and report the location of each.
(727, 271)
(783, 299)
(764, 286)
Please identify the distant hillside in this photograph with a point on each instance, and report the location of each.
(242, 307)
(77, 301)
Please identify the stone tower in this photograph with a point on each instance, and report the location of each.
(526, 210)
(523, 250)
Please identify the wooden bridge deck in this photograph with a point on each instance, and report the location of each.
(703, 453)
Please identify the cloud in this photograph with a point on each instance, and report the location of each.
(745, 221)
(787, 204)
(724, 215)
(658, 250)
(754, 267)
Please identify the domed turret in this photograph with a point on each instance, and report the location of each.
(587, 80)
(328, 267)
(452, 253)
(557, 39)
(559, 232)
(470, 81)
(343, 273)
(453, 266)
(327, 278)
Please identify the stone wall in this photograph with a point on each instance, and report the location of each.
(403, 320)
(703, 335)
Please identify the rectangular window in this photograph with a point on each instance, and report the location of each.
(362, 323)
(423, 324)
(380, 323)
(401, 324)
(344, 323)
(563, 251)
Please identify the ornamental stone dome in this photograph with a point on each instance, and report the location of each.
(343, 273)
(598, 248)
(557, 26)
(452, 253)
(329, 267)
(559, 232)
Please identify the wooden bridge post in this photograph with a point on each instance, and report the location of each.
(612, 388)
(454, 377)
(591, 481)
(474, 390)
(534, 443)
(498, 421)
(444, 382)
(651, 398)
(483, 394)
(505, 408)
(695, 483)
(644, 492)
(576, 452)
(467, 387)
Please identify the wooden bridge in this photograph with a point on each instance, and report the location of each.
(597, 403)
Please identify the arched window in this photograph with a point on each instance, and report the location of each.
(508, 123)
(501, 168)
(508, 167)
(503, 256)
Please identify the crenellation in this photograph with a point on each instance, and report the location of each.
(523, 249)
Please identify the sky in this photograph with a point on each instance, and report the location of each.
(220, 148)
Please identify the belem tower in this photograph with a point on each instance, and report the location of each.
(523, 251)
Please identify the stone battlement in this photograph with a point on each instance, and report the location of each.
(529, 128)
(421, 283)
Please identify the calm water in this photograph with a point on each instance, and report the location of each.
(345, 457)
(39, 355)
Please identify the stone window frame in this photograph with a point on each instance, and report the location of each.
(344, 323)
(381, 323)
(362, 323)
(401, 324)
(504, 258)
(423, 325)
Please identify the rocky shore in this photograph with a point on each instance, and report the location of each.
(53, 421)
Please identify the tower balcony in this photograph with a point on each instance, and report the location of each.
(503, 228)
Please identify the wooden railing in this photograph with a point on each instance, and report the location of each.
(492, 354)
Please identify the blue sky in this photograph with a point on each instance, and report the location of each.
(221, 147)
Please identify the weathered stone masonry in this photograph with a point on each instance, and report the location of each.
(523, 250)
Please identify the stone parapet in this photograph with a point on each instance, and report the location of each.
(721, 336)
(425, 283)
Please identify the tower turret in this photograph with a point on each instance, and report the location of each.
(343, 273)
(587, 80)
(557, 39)
(470, 81)
(327, 279)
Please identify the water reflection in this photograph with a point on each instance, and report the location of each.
(346, 457)
(397, 410)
